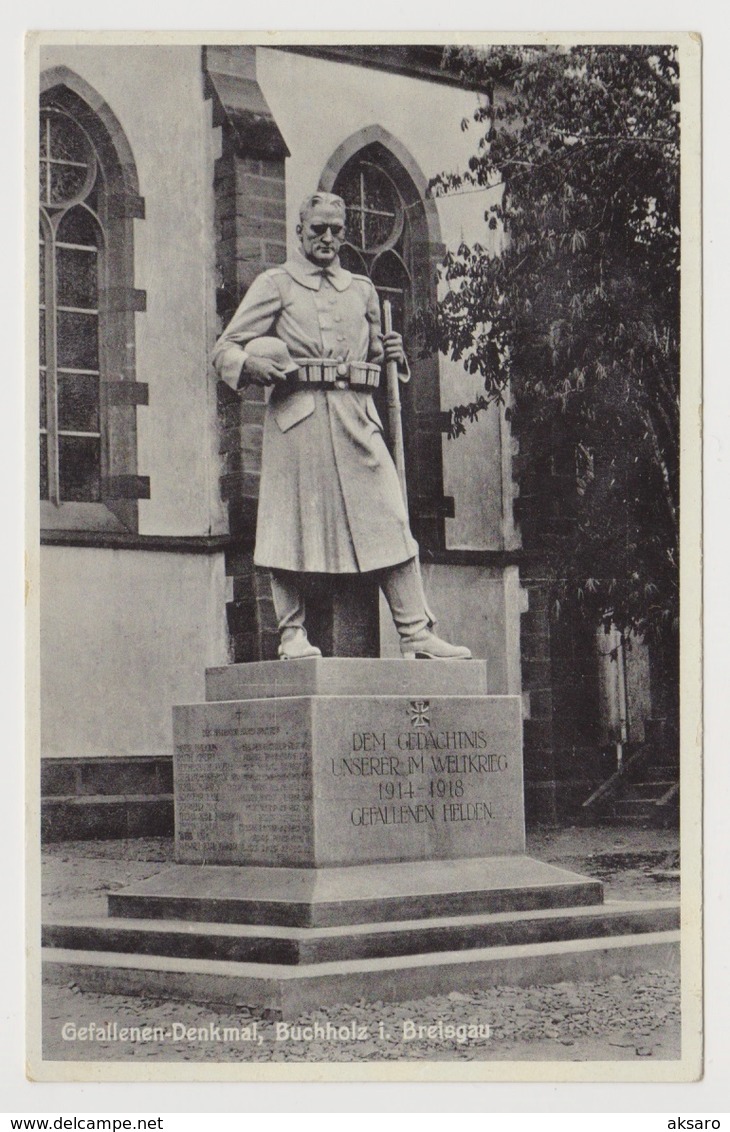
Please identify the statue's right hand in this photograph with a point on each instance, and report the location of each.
(263, 371)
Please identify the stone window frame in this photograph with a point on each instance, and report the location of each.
(119, 204)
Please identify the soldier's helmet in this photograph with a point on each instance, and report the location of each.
(273, 349)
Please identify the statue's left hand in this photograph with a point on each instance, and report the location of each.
(393, 347)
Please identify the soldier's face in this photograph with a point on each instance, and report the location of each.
(322, 233)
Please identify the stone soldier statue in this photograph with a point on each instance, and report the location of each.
(330, 500)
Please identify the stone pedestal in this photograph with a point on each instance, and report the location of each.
(351, 828)
(347, 762)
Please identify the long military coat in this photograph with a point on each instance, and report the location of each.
(330, 500)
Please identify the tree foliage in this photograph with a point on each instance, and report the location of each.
(579, 314)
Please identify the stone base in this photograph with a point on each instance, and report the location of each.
(351, 829)
(296, 939)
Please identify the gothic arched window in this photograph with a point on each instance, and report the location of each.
(87, 391)
(71, 267)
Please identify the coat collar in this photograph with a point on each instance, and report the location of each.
(309, 275)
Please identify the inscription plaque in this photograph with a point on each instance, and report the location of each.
(243, 783)
(337, 780)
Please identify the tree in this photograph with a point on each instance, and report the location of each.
(579, 314)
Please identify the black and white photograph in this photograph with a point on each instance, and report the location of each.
(364, 742)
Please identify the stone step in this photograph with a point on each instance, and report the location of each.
(112, 775)
(106, 816)
(640, 807)
(653, 789)
(662, 770)
(292, 946)
(290, 990)
(104, 798)
(353, 894)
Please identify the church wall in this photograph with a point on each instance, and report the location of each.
(125, 635)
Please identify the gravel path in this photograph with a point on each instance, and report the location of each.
(612, 1019)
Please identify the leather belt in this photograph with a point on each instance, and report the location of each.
(328, 373)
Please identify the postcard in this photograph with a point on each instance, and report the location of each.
(367, 386)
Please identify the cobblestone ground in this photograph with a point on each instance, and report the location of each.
(611, 1019)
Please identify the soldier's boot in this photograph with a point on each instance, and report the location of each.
(290, 611)
(403, 591)
(296, 646)
(427, 646)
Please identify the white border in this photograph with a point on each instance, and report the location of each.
(711, 1094)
